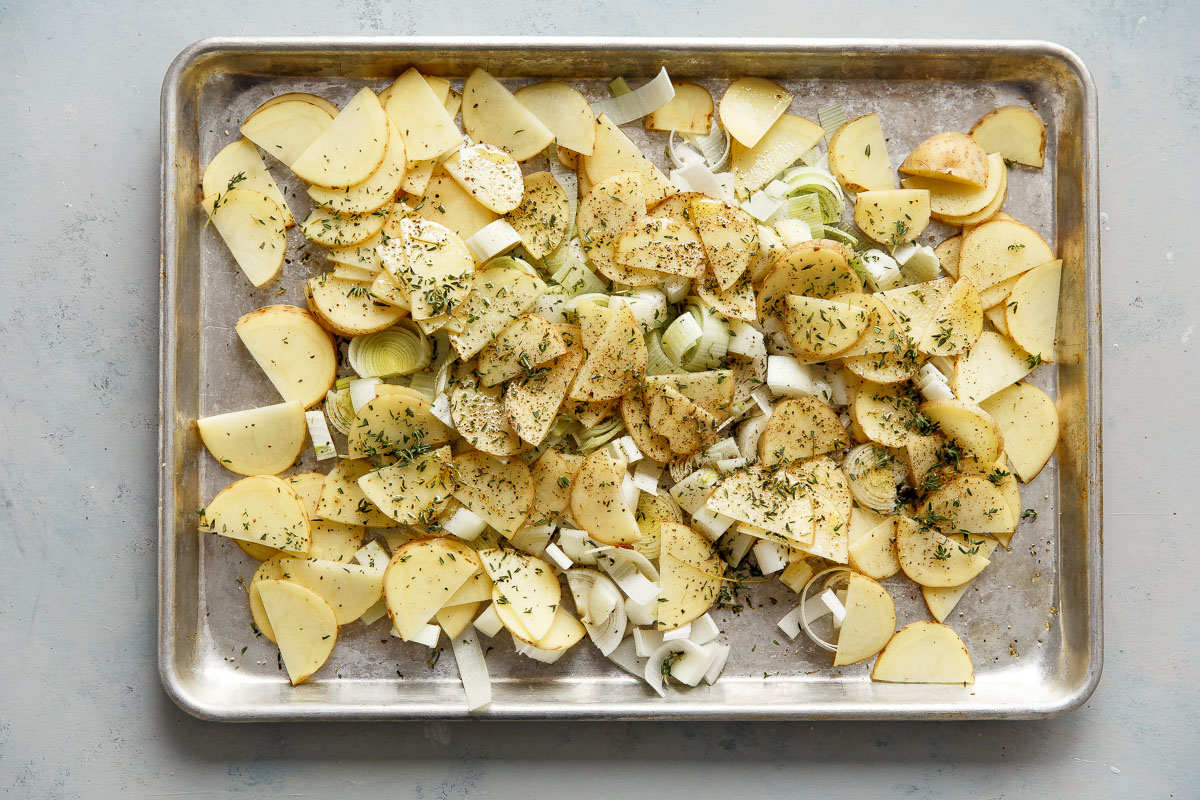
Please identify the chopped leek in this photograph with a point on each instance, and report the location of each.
(714, 145)
(879, 270)
(794, 231)
(932, 384)
(647, 475)
(771, 556)
(720, 659)
(814, 180)
(746, 340)
(711, 523)
(494, 239)
(918, 263)
(339, 410)
(619, 87)
(465, 524)
(789, 378)
(362, 391)
(630, 105)
(763, 206)
(807, 209)
(681, 155)
(839, 235)
(698, 178)
(676, 288)
(649, 307)
(625, 449)
(472, 669)
(318, 432)
(832, 117)
(488, 622)
(600, 434)
(560, 559)
(397, 351)
(710, 350)
(681, 336)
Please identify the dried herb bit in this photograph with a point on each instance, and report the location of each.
(434, 656)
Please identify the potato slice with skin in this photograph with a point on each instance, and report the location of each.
(412, 490)
(565, 632)
(393, 425)
(479, 417)
(924, 652)
(350, 149)
(552, 475)
(858, 155)
(615, 363)
(775, 501)
(932, 559)
(489, 174)
(531, 403)
(1014, 132)
(662, 244)
(874, 553)
(252, 227)
(916, 305)
(598, 504)
(615, 154)
(416, 180)
(492, 114)
(528, 342)
(421, 117)
(819, 268)
(730, 238)
(498, 296)
(712, 389)
(998, 250)
(991, 364)
(989, 212)
(800, 428)
(270, 569)
(374, 193)
(347, 307)
(885, 331)
(949, 156)
(440, 87)
(543, 216)
(260, 509)
(689, 111)
(969, 426)
(349, 589)
(690, 574)
(823, 329)
(780, 147)
(1031, 311)
(869, 624)
(750, 106)
(446, 202)
(256, 441)
(476, 589)
(500, 493)
(1029, 422)
(342, 500)
(334, 230)
(238, 164)
(948, 201)
(736, 302)
(455, 619)
(293, 350)
(433, 264)
(956, 324)
(288, 127)
(422, 575)
(333, 541)
(685, 425)
(892, 216)
(941, 600)
(563, 110)
(304, 627)
(604, 213)
(526, 594)
(884, 413)
(636, 415)
(947, 252)
(969, 504)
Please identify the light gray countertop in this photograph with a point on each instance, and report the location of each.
(82, 713)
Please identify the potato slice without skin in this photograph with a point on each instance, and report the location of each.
(615, 154)
(256, 441)
(412, 490)
(526, 593)
(947, 252)
(422, 575)
(780, 147)
(336, 231)
(750, 106)
(823, 329)
(552, 476)
(998, 250)
(304, 627)
(712, 389)
(444, 201)
(270, 569)
(636, 415)
(498, 296)
(348, 308)
(858, 155)
(489, 174)
(883, 413)
(543, 216)
(492, 114)
(973, 429)
(948, 201)
(252, 227)
(238, 164)
(941, 600)
(604, 213)
(349, 589)
(342, 500)
(433, 264)
(284, 128)
(350, 149)
(598, 503)
(615, 363)
(685, 425)
(293, 350)
(689, 111)
(260, 509)
(819, 268)
(563, 110)
(421, 117)
(528, 342)
(874, 553)
(892, 216)
(662, 244)
(991, 364)
(924, 652)
(478, 415)
(1014, 132)
(1029, 422)
(393, 425)
(455, 619)
(730, 238)
(949, 156)
(932, 559)
(334, 541)
(1031, 312)
(916, 305)
(869, 624)
(531, 403)
(736, 302)
(777, 502)
(374, 193)
(955, 325)
(500, 493)
(565, 632)
(690, 575)
(800, 428)
(968, 504)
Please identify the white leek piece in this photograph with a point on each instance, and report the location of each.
(560, 559)
(699, 178)
(533, 539)
(831, 117)
(397, 351)
(710, 350)
(762, 398)
(632, 582)
(465, 524)
(318, 432)
(789, 623)
(494, 239)
(374, 613)
(739, 546)
(472, 669)
(839, 390)
(834, 605)
(728, 465)
(710, 523)
(771, 556)
(362, 391)
(682, 632)
(339, 410)
(704, 629)
(789, 378)
(919, 263)
(578, 546)
(692, 492)
(932, 384)
(625, 449)
(372, 556)
(720, 659)
(649, 307)
(762, 206)
(575, 276)
(441, 410)
(488, 622)
(777, 189)
(819, 181)
(647, 475)
(793, 231)
(749, 432)
(625, 657)
(681, 154)
(638, 103)
(641, 613)
(880, 271)
(428, 635)
(714, 145)
(537, 653)
(681, 336)
(725, 448)
(567, 179)
(683, 661)
(646, 641)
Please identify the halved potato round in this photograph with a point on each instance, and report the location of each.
(949, 156)
(1029, 422)
(348, 308)
(349, 589)
(615, 154)
(998, 250)
(924, 652)
(286, 125)
(526, 593)
(379, 188)
(270, 569)
(238, 164)
(819, 268)
(501, 493)
(552, 476)
(598, 502)
(563, 110)
(256, 441)
(1031, 311)
(750, 107)
(498, 296)
(488, 174)
(342, 499)
(883, 414)
(993, 363)
(689, 111)
(858, 155)
(543, 216)
(350, 149)
(492, 114)
(973, 430)
(970, 504)
(292, 348)
(955, 325)
(412, 490)
(304, 626)
(609, 208)
(869, 624)
(421, 577)
(800, 428)
(822, 329)
(949, 200)
(260, 509)
(1014, 132)
(252, 226)
(393, 425)
(691, 574)
(892, 216)
(445, 202)
(941, 600)
(932, 559)
(874, 552)
(636, 415)
(615, 361)
(419, 112)
(478, 415)
(730, 237)
(662, 244)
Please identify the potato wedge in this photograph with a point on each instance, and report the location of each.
(526, 594)
(528, 342)
(690, 575)
(1028, 420)
(552, 476)
(260, 509)
(303, 624)
(348, 308)
(421, 117)
(869, 624)
(800, 428)
(950, 201)
(350, 149)
(932, 559)
(730, 238)
(750, 106)
(598, 503)
(615, 362)
(256, 441)
(252, 227)
(661, 244)
(874, 552)
(342, 500)
(604, 213)
(478, 415)
(422, 575)
(531, 403)
(374, 193)
(955, 325)
(394, 425)
(968, 504)
(972, 429)
(822, 329)
(500, 493)
(858, 155)
(563, 110)
(498, 296)
(892, 216)
(238, 164)
(941, 600)
(774, 501)
(488, 174)
(285, 126)
(349, 589)
(293, 350)
(949, 156)
(819, 268)
(998, 250)
(924, 652)
(413, 489)
(493, 115)
(615, 154)
(1014, 132)
(780, 147)
(1031, 311)
(543, 216)
(689, 111)
(991, 364)
(636, 415)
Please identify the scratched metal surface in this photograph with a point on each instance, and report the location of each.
(1032, 623)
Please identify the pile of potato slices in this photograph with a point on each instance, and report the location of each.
(539, 365)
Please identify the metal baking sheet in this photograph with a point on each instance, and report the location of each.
(1033, 622)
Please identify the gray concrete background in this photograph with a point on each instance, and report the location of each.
(81, 710)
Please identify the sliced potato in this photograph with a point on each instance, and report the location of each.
(947, 252)
(932, 559)
(238, 164)
(1014, 132)
(968, 504)
(614, 154)
(941, 600)
(780, 147)
(348, 307)
(270, 569)
(691, 574)
(252, 227)
(256, 441)
(774, 501)
(949, 156)
(350, 149)
(395, 424)
(924, 652)
(342, 500)
(501, 493)
(989, 212)
(476, 589)
(685, 425)
(422, 575)
(349, 589)
(822, 329)
(412, 490)
(712, 389)
(377, 191)
(858, 155)
(526, 594)
(869, 624)
(874, 552)
(303, 624)
(446, 202)
(730, 237)
(334, 541)
(955, 325)
(489, 174)
(615, 362)
(892, 216)
(598, 503)
(662, 244)
(552, 476)
(565, 632)
(689, 111)
(531, 403)
(416, 180)
(883, 413)
(285, 126)
(543, 216)
(609, 208)
(433, 264)
(950, 201)
(493, 115)
(998, 250)
(636, 415)
(260, 509)
(1031, 311)
(563, 110)
(293, 350)
(498, 296)
(800, 428)
(973, 430)
(528, 342)
(455, 619)
(750, 106)
(819, 268)
(1029, 422)
(479, 417)
(336, 231)
(991, 364)
(421, 117)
